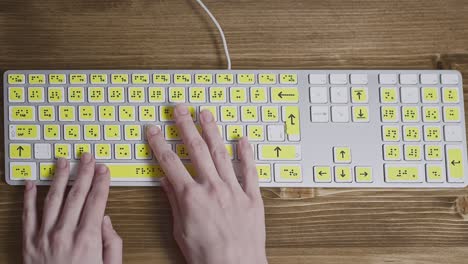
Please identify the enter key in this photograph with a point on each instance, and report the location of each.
(291, 119)
(454, 160)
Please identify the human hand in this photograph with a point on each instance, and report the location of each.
(72, 230)
(216, 220)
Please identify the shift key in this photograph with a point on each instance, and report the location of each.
(279, 152)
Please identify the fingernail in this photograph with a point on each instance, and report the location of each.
(101, 169)
(107, 220)
(61, 163)
(153, 130)
(207, 116)
(86, 157)
(29, 185)
(182, 110)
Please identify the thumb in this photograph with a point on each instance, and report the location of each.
(112, 243)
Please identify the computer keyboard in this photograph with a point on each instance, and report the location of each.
(308, 128)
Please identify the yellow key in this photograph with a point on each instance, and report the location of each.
(246, 78)
(66, 113)
(96, 94)
(136, 94)
(264, 172)
(249, 114)
(97, 78)
(234, 132)
(75, 94)
(26, 132)
(182, 151)
(255, 132)
(434, 173)
(71, 132)
(237, 95)
(432, 133)
(16, 78)
(121, 78)
(430, 95)
(388, 95)
(156, 94)
(20, 151)
(171, 132)
(392, 152)
(431, 114)
(126, 113)
(389, 113)
(288, 78)
(132, 132)
(140, 78)
(397, 173)
(102, 151)
(51, 132)
(292, 123)
(191, 169)
(224, 78)
(62, 151)
(343, 174)
(16, 94)
(161, 78)
(288, 173)
(23, 170)
(203, 78)
(46, 170)
(258, 95)
(86, 113)
(78, 78)
(229, 113)
(80, 149)
(217, 94)
(230, 150)
(270, 114)
(212, 109)
(412, 152)
(279, 152)
(36, 94)
(92, 132)
(410, 113)
(450, 95)
(176, 94)
(411, 133)
(135, 171)
(37, 78)
(433, 152)
(451, 114)
(56, 78)
(454, 162)
(284, 95)
(46, 113)
(359, 95)
(182, 78)
(115, 94)
(22, 113)
(363, 174)
(267, 78)
(106, 113)
(342, 154)
(55, 95)
(123, 151)
(197, 95)
(112, 132)
(322, 174)
(147, 113)
(166, 113)
(143, 151)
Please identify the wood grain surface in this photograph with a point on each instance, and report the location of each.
(303, 225)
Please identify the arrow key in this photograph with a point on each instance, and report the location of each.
(322, 174)
(343, 174)
(360, 114)
(342, 154)
(363, 174)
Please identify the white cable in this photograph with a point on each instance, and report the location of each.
(226, 51)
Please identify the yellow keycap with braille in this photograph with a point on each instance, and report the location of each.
(267, 78)
(98, 78)
(288, 78)
(284, 95)
(389, 113)
(140, 78)
(264, 172)
(238, 95)
(96, 94)
(80, 149)
(106, 113)
(46, 171)
(410, 113)
(136, 94)
(55, 94)
(26, 132)
(270, 114)
(147, 172)
(22, 113)
(434, 173)
(115, 94)
(454, 163)
(132, 132)
(21, 171)
(402, 174)
(197, 95)
(57, 78)
(322, 174)
(289, 173)
(255, 132)
(62, 151)
(126, 113)
(182, 78)
(20, 151)
(78, 78)
(203, 78)
(177, 94)
(16, 78)
(143, 151)
(388, 95)
(392, 152)
(75, 94)
(451, 114)
(103, 151)
(156, 94)
(412, 152)
(46, 113)
(433, 152)
(37, 78)
(411, 133)
(450, 95)
(166, 113)
(71, 132)
(36, 94)
(92, 132)
(123, 151)
(343, 174)
(51, 132)
(212, 110)
(342, 154)
(249, 114)
(147, 113)
(363, 174)
(112, 132)
(171, 132)
(430, 94)
(182, 151)
(121, 78)
(161, 78)
(432, 133)
(16, 94)
(229, 113)
(86, 113)
(431, 114)
(217, 94)
(67, 113)
(234, 132)
(224, 78)
(258, 95)
(246, 78)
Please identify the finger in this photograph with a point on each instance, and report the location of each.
(93, 211)
(112, 243)
(173, 167)
(217, 148)
(248, 169)
(29, 214)
(171, 196)
(54, 199)
(196, 146)
(77, 195)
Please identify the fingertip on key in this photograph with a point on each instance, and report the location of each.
(153, 130)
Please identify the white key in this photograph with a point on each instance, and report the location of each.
(340, 114)
(409, 95)
(448, 78)
(409, 78)
(339, 94)
(453, 133)
(276, 133)
(319, 114)
(42, 151)
(359, 78)
(338, 78)
(432, 78)
(318, 95)
(387, 78)
(317, 78)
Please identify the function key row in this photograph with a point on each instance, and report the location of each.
(414, 78)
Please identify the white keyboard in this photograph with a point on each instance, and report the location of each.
(309, 128)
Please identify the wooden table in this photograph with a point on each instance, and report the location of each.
(303, 226)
